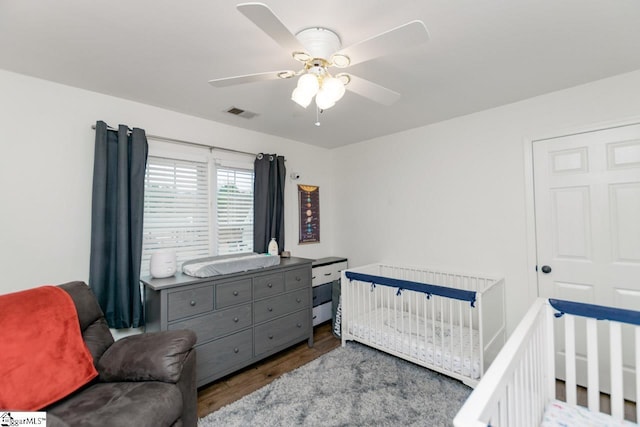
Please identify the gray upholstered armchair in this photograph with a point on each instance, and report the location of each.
(144, 380)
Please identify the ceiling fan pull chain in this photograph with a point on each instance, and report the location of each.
(317, 123)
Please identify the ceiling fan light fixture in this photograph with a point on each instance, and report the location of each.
(301, 56)
(324, 101)
(301, 98)
(287, 74)
(318, 49)
(339, 60)
(319, 42)
(334, 88)
(308, 84)
(344, 78)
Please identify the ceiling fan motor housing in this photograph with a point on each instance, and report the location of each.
(319, 42)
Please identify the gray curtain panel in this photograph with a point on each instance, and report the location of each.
(268, 201)
(116, 223)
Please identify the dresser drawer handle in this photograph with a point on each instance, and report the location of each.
(235, 350)
(269, 285)
(298, 300)
(192, 303)
(327, 274)
(313, 277)
(235, 293)
(298, 278)
(270, 308)
(235, 319)
(299, 325)
(270, 337)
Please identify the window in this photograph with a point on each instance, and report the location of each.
(234, 210)
(177, 214)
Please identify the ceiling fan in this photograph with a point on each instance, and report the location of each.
(319, 49)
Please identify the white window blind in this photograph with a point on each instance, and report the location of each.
(234, 210)
(176, 209)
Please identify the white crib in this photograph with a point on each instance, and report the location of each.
(519, 389)
(448, 322)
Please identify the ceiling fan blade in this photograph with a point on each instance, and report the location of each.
(409, 34)
(371, 90)
(248, 78)
(264, 18)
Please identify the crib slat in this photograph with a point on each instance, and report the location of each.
(593, 376)
(511, 421)
(617, 400)
(441, 331)
(570, 358)
(550, 362)
(425, 321)
(538, 343)
(471, 352)
(433, 330)
(532, 380)
(503, 410)
(526, 385)
(450, 327)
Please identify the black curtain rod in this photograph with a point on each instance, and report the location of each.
(180, 141)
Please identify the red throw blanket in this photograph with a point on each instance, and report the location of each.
(42, 355)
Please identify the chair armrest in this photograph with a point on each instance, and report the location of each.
(153, 356)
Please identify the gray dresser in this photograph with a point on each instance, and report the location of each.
(239, 318)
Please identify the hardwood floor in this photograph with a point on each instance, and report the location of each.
(233, 387)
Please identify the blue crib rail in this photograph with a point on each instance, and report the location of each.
(599, 312)
(459, 294)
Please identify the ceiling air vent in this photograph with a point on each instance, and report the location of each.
(242, 113)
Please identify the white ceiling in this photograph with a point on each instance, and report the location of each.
(481, 54)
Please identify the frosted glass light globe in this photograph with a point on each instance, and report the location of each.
(301, 98)
(308, 84)
(324, 100)
(334, 88)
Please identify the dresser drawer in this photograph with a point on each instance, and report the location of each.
(218, 323)
(298, 278)
(266, 286)
(282, 304)
(233, 293)
(189, 302)
(220, 355)
(327, 273)
(322, 293)
(281, 331)
(321, 313)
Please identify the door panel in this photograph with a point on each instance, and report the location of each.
(625, 222)
(587, 208)
(571, 223)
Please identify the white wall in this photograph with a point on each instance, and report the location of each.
(453, 194)
(46, 169)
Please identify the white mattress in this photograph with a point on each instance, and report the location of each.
(561, 414)
(384, 328)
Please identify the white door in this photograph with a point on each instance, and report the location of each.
(587, 209)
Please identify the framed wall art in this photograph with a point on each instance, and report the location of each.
(309, 210)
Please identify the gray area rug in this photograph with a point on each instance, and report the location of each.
(349, 386)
